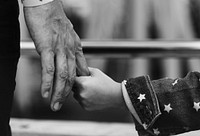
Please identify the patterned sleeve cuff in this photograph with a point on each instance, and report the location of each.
(129, 103)
(144, 100)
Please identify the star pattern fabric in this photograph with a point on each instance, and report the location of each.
(141, 97)
(168, 108)
(125, 81)
(178, 104)
(145, 125)
(156, 131)
(175, 82)
(196, 106)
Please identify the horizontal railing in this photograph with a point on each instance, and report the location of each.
(124, 49)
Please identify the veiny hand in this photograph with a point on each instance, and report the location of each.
(60, 50)
(98, 91)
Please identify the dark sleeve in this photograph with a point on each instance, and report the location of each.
(166, 106)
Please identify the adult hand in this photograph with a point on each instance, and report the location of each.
(60, 50)
(98, 91)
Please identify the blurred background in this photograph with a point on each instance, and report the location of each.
(112, 20)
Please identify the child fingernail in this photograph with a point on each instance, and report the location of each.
(57, 106)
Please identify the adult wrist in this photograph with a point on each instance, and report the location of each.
(34, 3)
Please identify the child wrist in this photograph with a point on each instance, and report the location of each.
(34, 3)
(120, 97)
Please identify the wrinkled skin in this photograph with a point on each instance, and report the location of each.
(60, 49)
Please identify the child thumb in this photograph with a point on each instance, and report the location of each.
(93, 71)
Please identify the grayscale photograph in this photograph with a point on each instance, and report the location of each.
(100, 67)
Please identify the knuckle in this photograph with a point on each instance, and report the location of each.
(63, 75)
(46, 85)
(50, 51)
(79, 47)
(84, 96)
(40, 48)
(70, 80)
(72, 56)
(60, 96)
(47, 51)
(50, 69)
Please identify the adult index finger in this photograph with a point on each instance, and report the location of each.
(81, 64)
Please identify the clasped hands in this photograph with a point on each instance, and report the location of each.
(62, 61)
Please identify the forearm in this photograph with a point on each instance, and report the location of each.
(168, 106)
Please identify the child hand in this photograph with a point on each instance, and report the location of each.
(98, 91)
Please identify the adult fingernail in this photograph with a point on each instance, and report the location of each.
(46, 94)
(57, 106)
